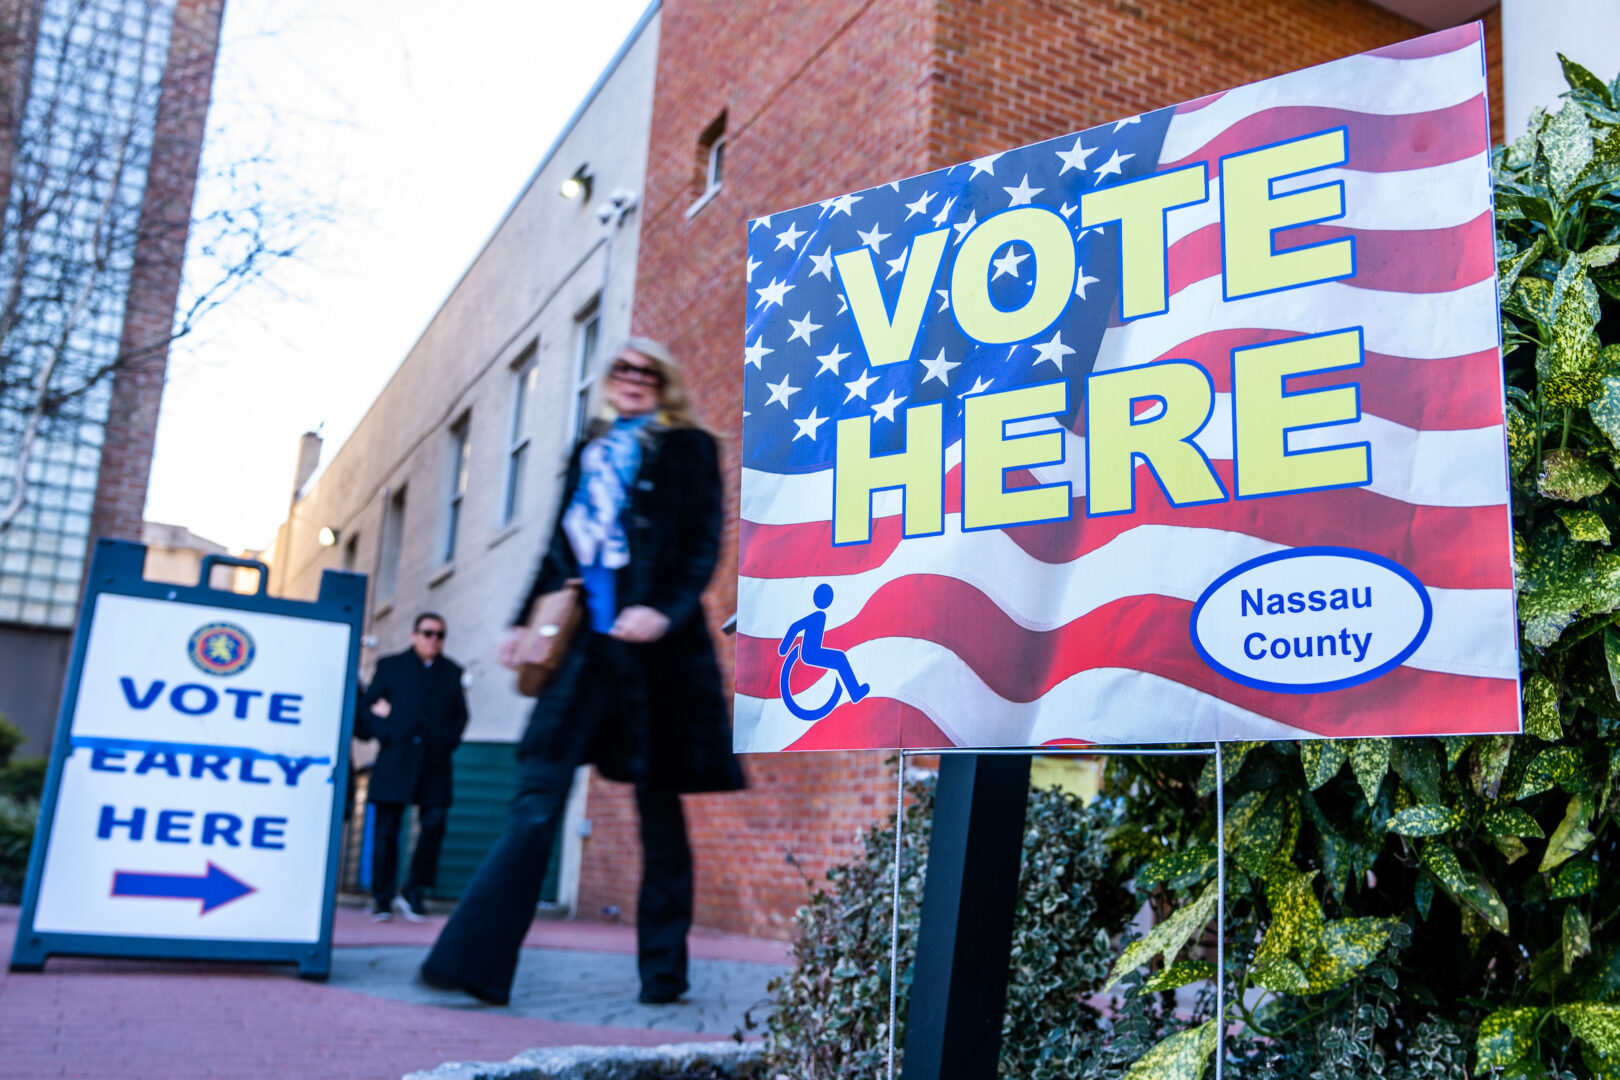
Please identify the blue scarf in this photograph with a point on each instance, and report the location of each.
(608, 466)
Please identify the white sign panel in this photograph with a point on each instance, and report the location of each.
(197, 800)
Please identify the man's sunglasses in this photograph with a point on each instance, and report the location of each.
(625, 371)
(438, 634)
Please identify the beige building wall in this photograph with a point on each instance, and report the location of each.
(549, 263)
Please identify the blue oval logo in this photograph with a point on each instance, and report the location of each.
(1306, 620)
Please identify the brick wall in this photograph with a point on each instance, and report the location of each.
(137, 391)
(835, 98)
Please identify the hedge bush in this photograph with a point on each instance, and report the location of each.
(831, 1014)
(1440, 908)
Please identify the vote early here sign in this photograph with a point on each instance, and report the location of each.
(1185, 427)
(197, 799)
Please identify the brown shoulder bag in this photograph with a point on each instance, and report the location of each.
(553, 622)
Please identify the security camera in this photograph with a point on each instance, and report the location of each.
(605, 213)
(623, 201)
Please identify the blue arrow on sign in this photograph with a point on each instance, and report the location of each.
(214, 888)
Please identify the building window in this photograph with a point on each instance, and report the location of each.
(458, 485)
(710, 164)
(393, 539)
(587, 331)
(524, 375)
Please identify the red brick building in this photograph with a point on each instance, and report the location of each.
(137, 76)
(816, 100)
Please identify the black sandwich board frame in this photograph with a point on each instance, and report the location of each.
(116, 568)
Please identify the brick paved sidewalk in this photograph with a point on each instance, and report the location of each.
(133, 1020)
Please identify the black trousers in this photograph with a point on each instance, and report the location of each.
(478, 948)
(424, 872)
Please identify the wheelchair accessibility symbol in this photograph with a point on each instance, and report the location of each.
(813, 654)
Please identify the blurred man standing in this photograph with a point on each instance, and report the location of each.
(416, 710)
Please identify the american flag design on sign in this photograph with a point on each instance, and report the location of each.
(1192, 591)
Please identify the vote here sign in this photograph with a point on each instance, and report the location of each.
(197, 783)
(1186, 427)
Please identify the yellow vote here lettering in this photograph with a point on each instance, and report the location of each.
(1139, 207)
(1264, 413)
(1047, 235)
(889, 340)
(918, 471)
(1253, 213)
(1116, 437)
(988, 453)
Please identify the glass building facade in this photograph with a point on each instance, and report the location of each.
(72, 215)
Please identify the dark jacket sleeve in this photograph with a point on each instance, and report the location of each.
(362, 714)
(378, 727)
(458, 717)
(678, 592)
(557, 564)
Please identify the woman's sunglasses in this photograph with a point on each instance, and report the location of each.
(625, 371)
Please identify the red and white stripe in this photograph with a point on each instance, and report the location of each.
(1078, 630)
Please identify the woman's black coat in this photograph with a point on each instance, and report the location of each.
(681, 740)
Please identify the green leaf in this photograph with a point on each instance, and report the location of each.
(1322, 759)
(1506, 1038)
(1571, 836)
(1490, 763)
(1254, 829)
(1568, 475)
(1611, 657)
(1598, 1026)
(1167, 938)
(1232, 755)
(1464, 886)
(1541, 709)
(1512, 848)
(1178, 866)
(1182, 1056)
(1575, 879)
(1423, 895)
(1605, 411)
(1426, 820)
(1581, 79)
(1567, 143)
(1292, 939)
(1511, 821)
(1179, 974)
(1369, 760)
(1509, 269)
(1577, 937)
(1585, 525)
(1456, 746)
(1553, 766)
(1417, 763)
(1347, 946)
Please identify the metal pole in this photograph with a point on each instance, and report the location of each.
(1220, 913)
(894, 924)
(964, 937)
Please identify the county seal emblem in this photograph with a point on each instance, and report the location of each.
(221, 648)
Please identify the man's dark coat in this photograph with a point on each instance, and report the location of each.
(680, 740)
(428, 714)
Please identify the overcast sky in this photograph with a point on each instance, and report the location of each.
(417, 129)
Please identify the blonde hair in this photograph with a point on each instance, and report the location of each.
(674, 403)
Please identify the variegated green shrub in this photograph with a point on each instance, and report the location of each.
(1445, 907)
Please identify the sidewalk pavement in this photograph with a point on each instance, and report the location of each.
(576, 985)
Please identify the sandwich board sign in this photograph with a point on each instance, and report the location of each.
(194, 798)
(1185, 428)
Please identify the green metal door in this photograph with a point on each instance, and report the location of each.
(486, 780)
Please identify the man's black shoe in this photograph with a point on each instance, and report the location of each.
(427, 977)
(660, 996)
